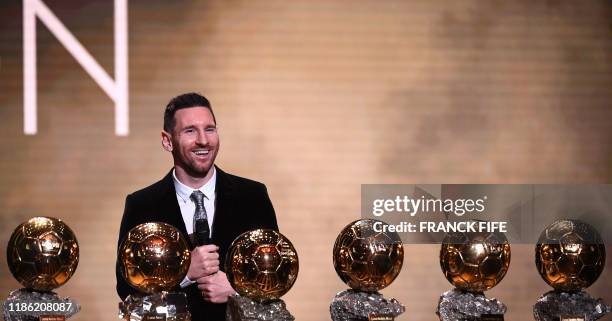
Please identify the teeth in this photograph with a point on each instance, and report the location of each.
(201, 152)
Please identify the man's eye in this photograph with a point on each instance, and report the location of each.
(189, 130)
(211, 129)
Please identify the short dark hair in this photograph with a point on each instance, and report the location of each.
(187, 100)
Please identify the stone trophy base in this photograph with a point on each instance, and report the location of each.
(241, 308)
(459, 305)
(559, 305)
(164, 306)
(27, 305)
(351, 305)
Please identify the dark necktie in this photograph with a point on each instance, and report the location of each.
(201, 230)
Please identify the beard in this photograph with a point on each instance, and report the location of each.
(194, 167)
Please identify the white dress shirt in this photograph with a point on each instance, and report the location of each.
(187, 206)
(183, 194)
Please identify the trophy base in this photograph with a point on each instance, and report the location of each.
(240, 308)
(28, 305)
(351, 305)
(459, 305)
(164, 306)
(52, 318)
(569, 306)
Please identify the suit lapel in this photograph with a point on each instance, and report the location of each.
(223, 207)
(169, 209)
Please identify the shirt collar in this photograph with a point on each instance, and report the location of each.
(184, 191)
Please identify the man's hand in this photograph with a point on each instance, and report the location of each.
(204, 262)
(215, 288)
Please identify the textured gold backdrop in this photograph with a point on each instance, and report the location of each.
(313, 98)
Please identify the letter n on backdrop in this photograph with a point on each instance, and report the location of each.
(116, 89)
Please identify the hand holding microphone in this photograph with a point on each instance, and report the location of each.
(204, 258)
(213, 284)
(204, 261)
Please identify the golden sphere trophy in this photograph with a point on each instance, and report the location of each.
(473, 263)
(261, 265)
(367, 261)
(570, 256)
(42, 255)
(154, 259)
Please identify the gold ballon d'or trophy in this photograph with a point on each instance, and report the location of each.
(473, 262)
(154, 259)
(570, 256)
(42, 255)
(261, 265)
(367, 261)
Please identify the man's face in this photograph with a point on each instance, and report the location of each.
(194, 140)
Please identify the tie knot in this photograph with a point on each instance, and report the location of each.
(197, 197)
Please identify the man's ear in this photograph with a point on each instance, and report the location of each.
(166, 141)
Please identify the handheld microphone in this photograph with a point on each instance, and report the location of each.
(202, 232)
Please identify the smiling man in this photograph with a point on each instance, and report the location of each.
(210, 207)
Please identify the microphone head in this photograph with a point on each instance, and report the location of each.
(202, 232)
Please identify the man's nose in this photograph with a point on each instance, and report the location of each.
(202, 139)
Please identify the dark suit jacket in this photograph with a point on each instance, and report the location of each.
(241, 205)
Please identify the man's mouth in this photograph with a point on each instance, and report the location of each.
(201, 152)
